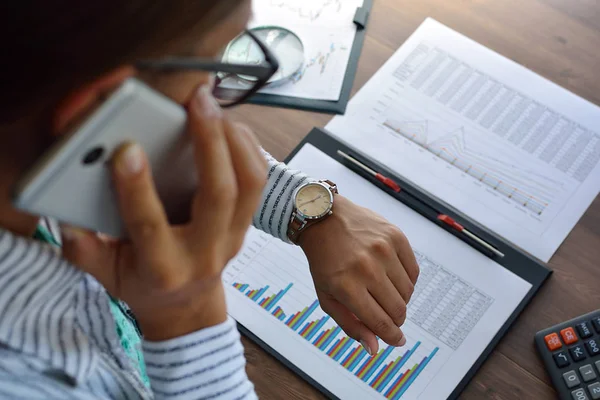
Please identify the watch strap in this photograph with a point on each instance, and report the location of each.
(294, 229)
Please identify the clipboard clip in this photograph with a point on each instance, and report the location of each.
(361, 18)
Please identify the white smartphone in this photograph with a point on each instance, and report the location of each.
(72, 181)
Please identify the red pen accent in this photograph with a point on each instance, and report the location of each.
(388, 182)
(448, 220)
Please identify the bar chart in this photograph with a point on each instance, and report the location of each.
(270, 292)
(389, 374)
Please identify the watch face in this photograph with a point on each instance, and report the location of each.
(314, 200)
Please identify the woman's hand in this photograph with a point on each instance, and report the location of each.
(364, 272)
(170, 276)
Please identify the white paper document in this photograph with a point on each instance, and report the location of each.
(460, 302)
(327, 31)
(499, 143)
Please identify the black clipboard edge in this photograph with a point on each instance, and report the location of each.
(263, 345)
(533, 271)
(325, 106)
(513, 255)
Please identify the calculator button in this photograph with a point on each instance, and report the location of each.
(596, 323)
(577, 353)
(594, 389)
(598, 365)
(568, 335)
(552, 341)
(561, 359)
(587, 373)
(593, 347)
(579, 394)
(584, 329)
(571, 379)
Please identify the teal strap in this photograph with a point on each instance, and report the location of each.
(130, 337)
(126, 325)
(43, 235)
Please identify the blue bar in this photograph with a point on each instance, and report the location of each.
(330, 339)
(319, 337)
(416, 373)
(357, 360)
(260, 293)
(344, 349)
(398, 367)
(303, 318)
(318, 327)
(378, 363)
(305, 325)
(347, 357)
(279, 296)
(282, 317)
(380, 373)
(332, 347)
(290, 318)
(365, 363)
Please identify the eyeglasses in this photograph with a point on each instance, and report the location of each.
(235, 82)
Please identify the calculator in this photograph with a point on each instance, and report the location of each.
(571, 352)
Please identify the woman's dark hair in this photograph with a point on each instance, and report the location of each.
(50, 47)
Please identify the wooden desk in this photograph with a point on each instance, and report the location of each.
(558, 39)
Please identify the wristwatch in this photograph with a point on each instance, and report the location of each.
(313, 202)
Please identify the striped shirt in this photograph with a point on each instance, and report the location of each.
(58, 338)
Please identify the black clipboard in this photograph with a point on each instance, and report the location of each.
(515, 260)
(361, 19)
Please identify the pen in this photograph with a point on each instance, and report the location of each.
(420, 206)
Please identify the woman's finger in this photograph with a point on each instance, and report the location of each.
(400, 280)
(214, 204)
(406, 255)
(390, 299)
(141, 209)
(353, 327)
(362, 304)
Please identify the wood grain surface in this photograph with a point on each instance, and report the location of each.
(558, 39)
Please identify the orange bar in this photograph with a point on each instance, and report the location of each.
(337, 347)
(268, 301)
(390, 395)
(366, 366)
(404, 379)
(385, 371)
(352, 357)
(305, 330)
(323, 338)
(297, 317)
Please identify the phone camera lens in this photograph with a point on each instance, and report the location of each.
(93, 156)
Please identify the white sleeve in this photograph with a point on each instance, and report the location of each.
(207, 364)
(275, 211)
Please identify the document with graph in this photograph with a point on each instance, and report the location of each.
(327, 31)
(461, 300)
(506, 147)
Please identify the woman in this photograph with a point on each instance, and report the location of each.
(63, 334)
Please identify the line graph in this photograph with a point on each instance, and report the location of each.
(503, 177)
(308, 10)
(319, 62)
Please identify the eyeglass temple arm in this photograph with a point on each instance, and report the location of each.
(177, 64)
